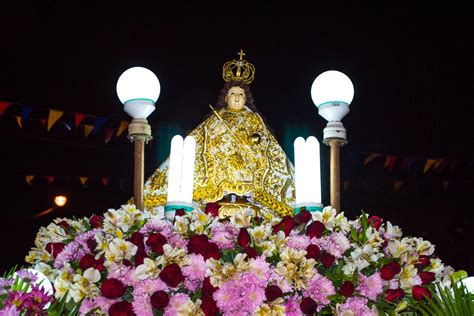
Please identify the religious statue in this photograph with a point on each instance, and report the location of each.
(238, 160)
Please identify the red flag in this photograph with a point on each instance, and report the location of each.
(78, 118)
(390, 162)
(105, 181)
(50, 179)
(4, 106)
(43, 122)
(109, 131)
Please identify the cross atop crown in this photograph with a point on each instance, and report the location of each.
(238, 70)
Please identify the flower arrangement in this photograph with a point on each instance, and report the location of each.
(129, 262)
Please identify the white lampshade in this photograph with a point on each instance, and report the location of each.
(138, 89)
(332, 86)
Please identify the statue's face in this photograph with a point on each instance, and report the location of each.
(235, 98)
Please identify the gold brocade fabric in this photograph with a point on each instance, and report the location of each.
(247, 161)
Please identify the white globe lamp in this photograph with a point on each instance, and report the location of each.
(332, 93)
(138, 89)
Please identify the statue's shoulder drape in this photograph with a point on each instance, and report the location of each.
(235, 153)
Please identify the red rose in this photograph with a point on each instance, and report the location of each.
(172, 275)
(392, 295)
(327, 259)
(312, 252)
(139, 259)
(251, 252)
(212, 209)
(92, 244)
(121, 309)
(197, 244)
(86, 262)
(208, 306)
(244, 238)
(63, 224)
(272, 292)
(347, 288)
(156, 242)
(137, 239)
(388, 271)
(96, 221)
(315, 229)
(55, 248)
(303, 217)
(112, 288)
(418, 293)
(308, 306)
(375, 220)
(211, 251)
(423, 261)
(207, 288)
(99, 264)
(426, 277)
(287, 224)
(179, 212)
(159, 299)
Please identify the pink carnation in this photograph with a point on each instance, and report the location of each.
(298, 242)
(371, 286)
(124, 274)
(242, 295)
(319, 288)
(356, 306)
(195, 272)
(176, 301)
(224, 235)
(292, 307)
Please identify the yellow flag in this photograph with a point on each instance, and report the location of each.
(123, 125)
(83, 180)
(371, 157)
(88, 129)
(429, 163)
(397, 185)
(29, 179)
(18, 119)
(54, 115)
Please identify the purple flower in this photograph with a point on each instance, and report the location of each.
(319, 288)
(195, 272)
(71, 252)
(356, 306)
(371, 286)
(298, 242)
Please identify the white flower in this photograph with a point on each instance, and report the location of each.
(148, 269)
(409, 277)
(84, 285)
(396, 248)
(423, 247)
(327, 217)
(391, 231)
(260, 233)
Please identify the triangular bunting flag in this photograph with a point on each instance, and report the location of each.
(105, 181)
(54, 115)
(408, 163)
(345, 185)
(50, 179)
(88, 129)
(18, 120)
(123, 125)
(43, 122)
(109, 131)
(28, 179)
(371, 157)
(25, 113)
(390, 162)
(78, 117)
(99, 121)
(83, 180)
(4, 106)
(429, 163)
(442, 165)
(397, 185)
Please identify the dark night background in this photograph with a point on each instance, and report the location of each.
(411, 66)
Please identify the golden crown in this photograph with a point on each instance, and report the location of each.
(238, 70)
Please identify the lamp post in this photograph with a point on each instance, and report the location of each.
(138, 89)
(332, 92)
